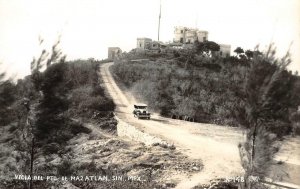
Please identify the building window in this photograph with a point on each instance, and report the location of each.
(181, 39)
(181, 31)
(140, 44)
(204, 38)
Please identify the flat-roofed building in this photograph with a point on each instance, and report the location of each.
(114, 52)
(225, 50)
(143, 43)
(187, 35)
(202, 35)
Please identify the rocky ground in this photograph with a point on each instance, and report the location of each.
(158, 164)
(102, 153)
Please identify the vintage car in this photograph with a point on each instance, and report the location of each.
(140, 111)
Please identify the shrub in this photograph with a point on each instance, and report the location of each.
(97, 103)
(66, 168)
(98, 90)
(76, 128)
(80, 73)
(8, 92)
(12, 128)
(84, 98)
(295, 118)
(209, 89)
(91, 168)
(51, 148)
(202, 95)
(80, 94)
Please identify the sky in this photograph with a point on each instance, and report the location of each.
(88, 27)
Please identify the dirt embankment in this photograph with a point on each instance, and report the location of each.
(158, 164)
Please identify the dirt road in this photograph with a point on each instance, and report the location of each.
(216, 146)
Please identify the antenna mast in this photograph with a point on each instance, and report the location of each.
(159, 21)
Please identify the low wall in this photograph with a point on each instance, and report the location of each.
(124, 129)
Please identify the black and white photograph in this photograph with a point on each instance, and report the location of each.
(149, 94)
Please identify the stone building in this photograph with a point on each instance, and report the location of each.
(202, 36)
(186, 35)
(184, 38)
(143, 43)
(225, 50)
(114, 52)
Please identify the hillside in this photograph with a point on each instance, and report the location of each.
(60, 122)
(63, 118)
(253, 91)
(197, 86)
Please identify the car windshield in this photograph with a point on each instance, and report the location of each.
(141, 107)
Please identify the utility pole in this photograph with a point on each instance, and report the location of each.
(159, 21)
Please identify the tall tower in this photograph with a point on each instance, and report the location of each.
(159, 20)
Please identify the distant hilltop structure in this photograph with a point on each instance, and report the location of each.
(189, 35)
(143, 43)
(114, 52)
(147, 44)
(184, 37)
(224, 50)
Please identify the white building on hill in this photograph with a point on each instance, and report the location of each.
(186, 35)
(225, 50)
(143, 43)
(114, 52)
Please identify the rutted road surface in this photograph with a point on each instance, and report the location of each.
(216, 146)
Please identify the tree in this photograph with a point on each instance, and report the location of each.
(7, 98)
(42, 86)
(53, 101)
(206, 46)
(2, 76)
(249, 54)
(212, 46)
(51, 89)
(257, 53)
(266, 92)
(238, 51)
(243, 57)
